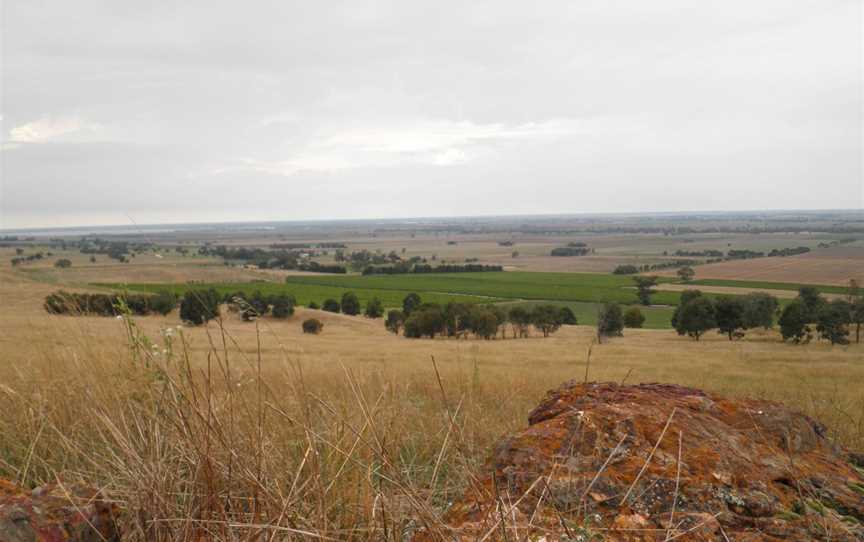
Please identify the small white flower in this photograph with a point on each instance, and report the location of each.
(119, 316)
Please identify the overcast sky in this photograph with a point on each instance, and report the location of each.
(211, 111)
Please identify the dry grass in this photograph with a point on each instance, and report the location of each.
(252, 429)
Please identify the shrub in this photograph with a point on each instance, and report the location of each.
(374, 308)
(633, 317)
(394, 322)
(313, 305)
(283, 306)
(626, 270)
(330, 305)
(163, 302)
(63, 263)
(313, 326)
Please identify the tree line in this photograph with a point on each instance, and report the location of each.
(400, 269)
(85, 304)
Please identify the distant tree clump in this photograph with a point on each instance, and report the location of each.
(833, 320)
(633, 317)
(686, 273)
(199, 306)
(645, 288)
(283, 306)
(411, 302)
(374, 308)
(350, 304)
(626, 270)
(394, 321)
(330, 305)
(163, 302)
(313, 305)
(610, 321)
(312, 326)
(424, 321)
(568, 318)
(63, 263)
(694, 315)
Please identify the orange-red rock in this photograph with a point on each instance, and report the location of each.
(748, 470)
(55, 513)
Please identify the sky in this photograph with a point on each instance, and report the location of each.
(170, 112)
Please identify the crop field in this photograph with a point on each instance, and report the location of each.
(768, 285)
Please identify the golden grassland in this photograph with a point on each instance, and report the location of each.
(238, 428)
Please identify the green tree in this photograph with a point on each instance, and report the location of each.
(163, 302)
(63, 263)
(411, 302)
(313, 305)
(645, 288)
(696, 317)
(283, 306)
(394, 322)
(546, 318)
(832, 322)
(759, 310)
(456, 316)
(857, 317)
(374, 308)
(199, 306)
(686, 273)
(794, 322)
(520, 320)
(633, 317)
(425, 321)
(686, 297)
(610, 321)
(331, 305)
(812, 301)
(350, 304)
(483, 322)
(568, 318)
(729, 316)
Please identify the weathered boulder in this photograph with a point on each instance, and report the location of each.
(55, 513)
(662, 462)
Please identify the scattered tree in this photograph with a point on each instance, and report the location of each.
(199, 306)
(394, 322)
(283, 306)
(695, 317)
(729, 316)
(63, 263)
(794, 322)
(350, 304)
(759, 310)
(610, 321)
(163, 302)
(411, 302)
(330, 305)
(633, 317)
(520, 320)
(832, 322)
(374, 308)
(812, 302)
(856, 317)
(425, 321)
(568, 318)
(645, 288)
(546, 318)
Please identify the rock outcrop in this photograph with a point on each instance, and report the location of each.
(55, 513)
(662, 462)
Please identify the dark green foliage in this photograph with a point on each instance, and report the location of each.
(331, 305)
(163, 302)
(425, 321)
(567, 317)
(695, 317)
(645, 288)
(314, 305)
(759, 310)
(256, 306)
(546, 318)
(63, 263)
(610, 321)
(456, 318)
(394, 322)
(520, 319)
(686, 297)
(812, 301)
(856, 316)
(199, 306)
(313, 326)
(633, 317)
(832, 322)
(794, 322)
(374, 308)
(729, 316)
(626, 270)
(283, 306)
(411, 302)
(483, 322)
(350, 304)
